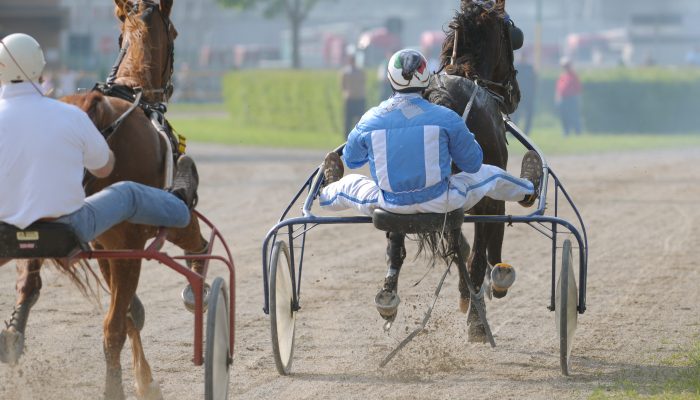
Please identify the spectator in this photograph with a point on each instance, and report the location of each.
(353, 85)
(527, 81)
(567, 98)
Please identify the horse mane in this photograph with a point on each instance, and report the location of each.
(135, 67)
(468, 24)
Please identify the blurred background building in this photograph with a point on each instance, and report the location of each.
(82, 34)
(44, 19)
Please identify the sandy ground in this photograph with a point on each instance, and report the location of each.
(643, 302)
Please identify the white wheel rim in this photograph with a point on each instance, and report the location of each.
(221, 349)
(566, 315)
(285, 317)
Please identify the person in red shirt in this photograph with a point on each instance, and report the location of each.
(567, 98)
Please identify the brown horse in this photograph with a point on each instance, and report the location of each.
(478, 55)
(141, 153)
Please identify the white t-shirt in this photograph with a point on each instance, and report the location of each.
(44, 146)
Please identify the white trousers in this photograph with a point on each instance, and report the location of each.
(361, 193)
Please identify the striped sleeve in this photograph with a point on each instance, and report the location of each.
(464, 149)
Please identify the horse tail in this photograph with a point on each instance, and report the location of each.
(83, 276)
(438, 246)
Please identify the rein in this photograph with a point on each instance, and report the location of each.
(108, 131)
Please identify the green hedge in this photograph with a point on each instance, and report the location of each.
(614, 101)
(300, 100)
(290, 100)
(652, 100)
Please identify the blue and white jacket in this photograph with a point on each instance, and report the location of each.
(409, 143)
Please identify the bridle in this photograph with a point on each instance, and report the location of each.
(168, 68)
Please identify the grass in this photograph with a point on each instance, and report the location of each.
(678, 378)
(546, 134)
(228, 131)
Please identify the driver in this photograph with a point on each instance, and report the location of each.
(44, 146)
(410, 144)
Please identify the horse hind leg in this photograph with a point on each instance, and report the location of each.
(28, 288)
(146, 387)
(387, 299)
(136, 311)
(123, 277)
(476, 269)
(476, 266)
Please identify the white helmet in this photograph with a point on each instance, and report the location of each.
(408, 71)
(21, 58)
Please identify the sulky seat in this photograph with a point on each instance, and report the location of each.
(39, 240)
(417, 223)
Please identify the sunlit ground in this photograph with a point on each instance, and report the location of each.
(211, 123)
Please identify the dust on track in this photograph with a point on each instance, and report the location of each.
(643, 303)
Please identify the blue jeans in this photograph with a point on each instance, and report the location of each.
(126, 201)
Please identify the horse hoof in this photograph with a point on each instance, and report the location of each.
(387, 303)
(150, 392)
(11, 346)
(502, 278)
(188, 298)
(475, 328)
(477, 333)
(464, 305)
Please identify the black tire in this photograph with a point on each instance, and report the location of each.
(282, 314)
(217, 353)
(566, 315)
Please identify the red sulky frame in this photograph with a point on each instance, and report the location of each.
(153, 252)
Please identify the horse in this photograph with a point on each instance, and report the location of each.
(145, 62)
(477, 58)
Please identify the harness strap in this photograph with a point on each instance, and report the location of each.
(108, 131)
(470, 103)
(112, 77)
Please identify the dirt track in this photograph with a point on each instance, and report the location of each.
(643, 303)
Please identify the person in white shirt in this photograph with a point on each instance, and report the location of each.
(46, 144)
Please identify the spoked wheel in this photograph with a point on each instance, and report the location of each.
(282, 313)
(566, 315)
(217, 356)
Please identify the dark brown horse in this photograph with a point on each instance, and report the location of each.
(141, 153)
(477, 55)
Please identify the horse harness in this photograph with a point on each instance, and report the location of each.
(155, 113)
(512, 35)
(169, 68)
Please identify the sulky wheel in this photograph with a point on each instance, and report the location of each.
(566, 315)
(217, 356)
(282, 313)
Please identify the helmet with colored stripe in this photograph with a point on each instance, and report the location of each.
(21, 58)
(408, 71)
